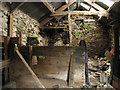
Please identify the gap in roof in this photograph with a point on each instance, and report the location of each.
(85, 6)
(109, 3)
(92, 10)
(88, 7)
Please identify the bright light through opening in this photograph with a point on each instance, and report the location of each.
(109, 3)
(92, 10)
(85, 6)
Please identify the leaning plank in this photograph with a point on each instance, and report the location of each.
(39, 84)
(71, 71)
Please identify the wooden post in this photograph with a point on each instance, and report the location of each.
(10, 25)
(6, 70)
(30, 55)
(70, 30)
(71, 71)
(39, 84)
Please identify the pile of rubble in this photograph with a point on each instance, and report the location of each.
(99, 72)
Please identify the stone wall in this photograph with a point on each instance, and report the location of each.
(88, 29)
(28, 26)
(4, 15)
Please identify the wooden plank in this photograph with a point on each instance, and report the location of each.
(16, 5)
(4, 64)
(103, 11)
(71, 71)
(58, 10)
(10, 25)
(38, 83)
(52, 48)
(45, 21)
(70, 30)
(75, 12)
(52, 51)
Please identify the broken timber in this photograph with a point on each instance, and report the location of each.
(39, 84)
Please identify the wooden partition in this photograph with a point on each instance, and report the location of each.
(56, 62)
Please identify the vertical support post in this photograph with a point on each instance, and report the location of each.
(30, 56)
(70, 29)
(10, 25)
(6, 70)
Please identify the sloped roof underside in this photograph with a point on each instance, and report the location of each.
(39, 11)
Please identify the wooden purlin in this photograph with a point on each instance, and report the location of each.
(75, 12)
(15, 7)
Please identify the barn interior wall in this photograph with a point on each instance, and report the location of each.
(4, 15)
(94, 33)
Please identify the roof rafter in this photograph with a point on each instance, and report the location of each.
(96, 6)
(58, 10)
(50, 8)
(112, 6)
(15, 6)
(48, 5)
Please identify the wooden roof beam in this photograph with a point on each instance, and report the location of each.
(15, 6)
(50, 8)
(75, 12)
(102, 10)
(58, 10)
(110, 8)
